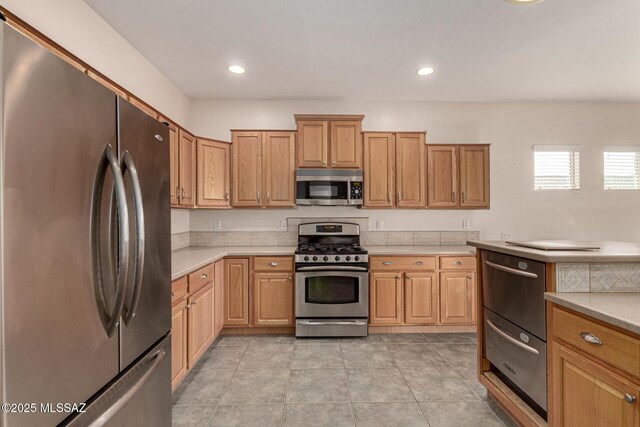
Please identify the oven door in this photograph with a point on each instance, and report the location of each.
(330, 292)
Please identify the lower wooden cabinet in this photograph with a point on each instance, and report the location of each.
(218, 286)
(273, 299)
(420, 298)
(457, 297)
(200, 324)
(236, 292)
(385, 298)
(179, 363)
(587, 394)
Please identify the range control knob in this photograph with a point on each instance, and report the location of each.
(326, 258)
(357, 258)
(337, 258)
(315, 258)
(348, 258)
(306, 258)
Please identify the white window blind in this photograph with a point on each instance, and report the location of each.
(557, 167)
(622, 168)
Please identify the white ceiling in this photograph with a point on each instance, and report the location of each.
(482, 50)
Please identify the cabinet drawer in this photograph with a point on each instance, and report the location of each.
(615, 348)
(178, 289)
(457, 263)
(268, 263)
(201, 277)
(401, 263)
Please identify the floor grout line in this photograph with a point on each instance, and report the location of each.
(286, 386)
(353, 414)
(409, 387)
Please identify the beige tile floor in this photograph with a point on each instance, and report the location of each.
(382, 380)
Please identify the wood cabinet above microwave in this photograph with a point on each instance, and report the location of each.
(333, 141)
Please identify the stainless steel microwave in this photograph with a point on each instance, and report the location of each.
(329, 187)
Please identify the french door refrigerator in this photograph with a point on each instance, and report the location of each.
(84, 231)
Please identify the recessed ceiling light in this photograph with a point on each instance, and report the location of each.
(425, 71)
(236, 69)
(524, 1)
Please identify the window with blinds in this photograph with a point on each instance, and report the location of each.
(556, 167)
(622, 168)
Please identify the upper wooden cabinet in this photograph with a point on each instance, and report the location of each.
(186, 169)
(174, 161)
(213, 174)
(458, 176)
(474, 176)
(394, 169)
(263, 165)
(329, 141)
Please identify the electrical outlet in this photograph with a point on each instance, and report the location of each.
(506, 235)
(217, 224)
(283, 224)
(379, 224)
(466, 224)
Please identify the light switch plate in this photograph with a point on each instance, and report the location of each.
(283, 224)
(217, 224)
(466, 224)
(379, 224)
(505, 235)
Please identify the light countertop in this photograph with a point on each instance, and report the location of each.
(187, 260)
(609, 251)
(621, 309)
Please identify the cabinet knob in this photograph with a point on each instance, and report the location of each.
(463, 197)
(419, 263)
(273, 264)
(387, 263)
(333, 163)
(590, 338)
(457, 262)
(194, 302)
(398, 277)
(289, 277)
(226, 196)
(469, 277)
(204, 276)
(629, 398)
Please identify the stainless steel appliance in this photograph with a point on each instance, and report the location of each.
(332, 281)
(85, 248)
(515, 324)
(329, 187)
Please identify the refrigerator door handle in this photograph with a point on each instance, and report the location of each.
(129, 166)
(109, 160)
(154, 360)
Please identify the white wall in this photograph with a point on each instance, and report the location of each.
(179, 220)
(80, 30)
(511, 128)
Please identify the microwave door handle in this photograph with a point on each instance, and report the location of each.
(349, 192)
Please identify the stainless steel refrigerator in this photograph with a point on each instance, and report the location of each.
(85, 248)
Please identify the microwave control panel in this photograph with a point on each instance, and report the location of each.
(356, 190)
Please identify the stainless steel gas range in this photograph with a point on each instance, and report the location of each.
(332, 281)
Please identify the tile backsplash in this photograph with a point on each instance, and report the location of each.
(290, 236)
(598, 277)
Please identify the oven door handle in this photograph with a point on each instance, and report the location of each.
(342, 322)
(511, 270)
(332, 268)
(511, 339)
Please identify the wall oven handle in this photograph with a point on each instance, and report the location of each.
(332, 267)
(511, 339)
(511, 270)
(342, 322)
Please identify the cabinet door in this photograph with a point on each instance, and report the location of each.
(420, 298)
(586, 394)
(443, 176)
(174, 163)
(200, 325)
(457, 297)
(312, 143)
(346, 144)
(187, 169)
(236, 292)
(385, 298)
(213, 174)
(279, 169)
(379, 165)
(474, 176)
(178, 343)
(246, 153)
(273, 299)
(218, 309)
(410, 170)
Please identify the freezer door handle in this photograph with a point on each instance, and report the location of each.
(130, 166)
(110, 320)
(153, 361)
